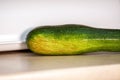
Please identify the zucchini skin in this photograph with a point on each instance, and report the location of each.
(71, 39)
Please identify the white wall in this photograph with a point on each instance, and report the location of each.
(19, 16)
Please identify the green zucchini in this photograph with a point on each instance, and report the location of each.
(71, 39)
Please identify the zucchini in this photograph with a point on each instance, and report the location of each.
(71, 39)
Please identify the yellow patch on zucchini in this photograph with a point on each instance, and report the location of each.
(43, 45)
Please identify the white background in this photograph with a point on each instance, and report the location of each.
(18, 17)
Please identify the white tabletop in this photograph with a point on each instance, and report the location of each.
(23, 65)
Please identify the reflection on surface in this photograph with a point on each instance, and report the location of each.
(25, 61)
(75, 61)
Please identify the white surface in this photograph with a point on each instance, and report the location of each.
(15, 45)
(22, 65)
(18, 17)
(110, 72)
